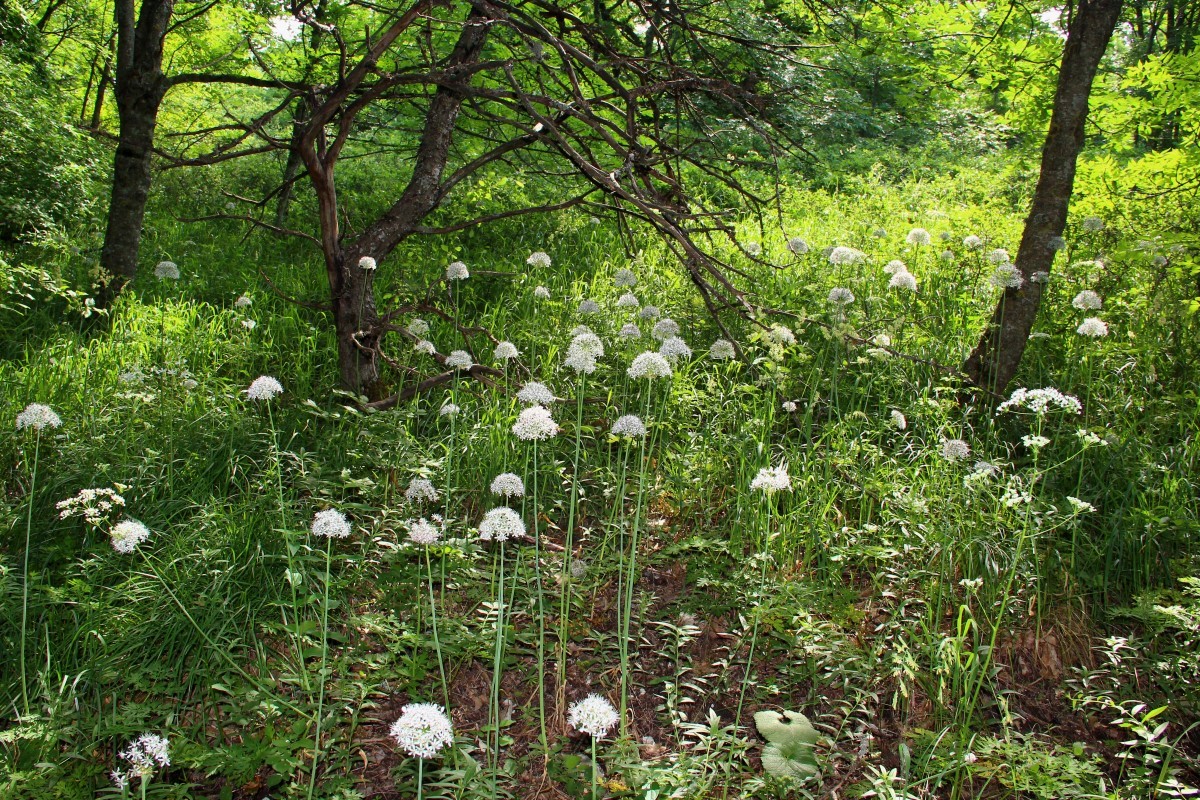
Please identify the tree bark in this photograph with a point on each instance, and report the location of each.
(994, 361)
(139, 89)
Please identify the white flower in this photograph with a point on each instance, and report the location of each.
(673, 347)
(587, 342)
(594, 220)
(649, 312)
(903, 280)
(264, 387)
(501, 524)
(366, 263)
(538, 260)
(945, 236)
(894, 266)
(1007, 276)
(972, 242)
(120, 780)
(754, 249)
(1040, 401)
(243, 301)
(630, 330)
(589, 307)
(998, 256)
(331, 523)
(457, 271)
(629, 425)
(127, 534)
(1089, 438)
(955, 449)
(649, 365)
(425, 346)
(535, 424)
(422, 531)
(879, 233)
(722, 350)
(1092, 326)
(840, 296)
(459, 359)
(779, 336)
(38, 417)
(190, 383)
(418, 327)
(772, 479)
(580, 330)
(665, 329)
(624, 279)
(535, 394)
(582, 362)
(1034, 442)
(508, 484)
(846, 256)
(420, 490)
(1087, 300)
(1080, 506)
(133, 376)
(1041, 276)
(1092, 224)
(1057, 243)
(91, 504)
(898, 419)
(166, 271)
(505, 350)
(628, 300)
(145, 753)
(541, 293)
(593, 715)
(918, 236)
(789, 406)
(249, 324)
(947, 255)
(797, 246)
(449, 410)
(423, 730)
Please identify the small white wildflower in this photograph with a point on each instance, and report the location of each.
(650, 312)
(459, 359)
(538, 260)
(797, 246)
(120, 780)
(1007, 276)
(1057, 243)
(628, 300)
(899, 420)
(630, 330)
(903, 280)
(947, 255)
(367, 264)
(418, 327)
(127, 534)
(998, 256)
(331, 524)
(593, 715)
(422, 531)
(972, 242)
(420, 490)
(1040, 401)
(583, 362)
(1092, 326)
(1039, 335)
(166, 271)
(840, 296)
(881, 340)
(779, 336)
(629, 425)
(39, 417)
(1034, 442)
(673, 347)
(425, 346)
(501, 524)
(722, 350)
(508, 484)
(846, 256)
(243, 301)
(541, 293)
(649, 365)
(505, 351)
(587, 342)
(535, 424)
(1087, 300)
(1080, 506)
(131, 377)
(894, 266)
(589, 307)
(423, 730)
(664, 329)
(1088, 437)
(624, 279)
(449, 410)
(1041, 276)
(753, 249)
(1092, 224)
(955, 449)
(535, 394)
(593, 220)
(146, 753)
(264, 387)
(918, 236)
(789, 406)
(772, 479)
(249, 324)
(457, 271)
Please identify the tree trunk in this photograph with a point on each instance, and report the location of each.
(994, 361)
(139, 89)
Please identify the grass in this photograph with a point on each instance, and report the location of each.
(931, 618)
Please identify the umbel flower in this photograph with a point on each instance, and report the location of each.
(144, 755)
(955, 449)
(722, 350)
(898, 419)
(624, 278)
(593, 715)
(1092, 224)
(846, 256)
(894, 266)
(1087, 300)
(418, 327)
(243, 301)
(840, 296)
(422, 531)
(999, 256)
(587, 342)
(37, 416)
(972, 242)
(628, 300)
(772, 479)
(501, 524)
(797, 246)
(538, 260)
(650, 312)
(166, 271)
(580, 330)
(630, 330)
(425, 346)
(589, 307)
(918, 236)
(535, 393)
(665, 329)
(423, 730)
(780, 336)
(535, 424)
(420, 490)
(674, 347)
(1007, 276)
(1040, 401)
(508, 484)
(650, 365)
(630, 426)
(459, 359)
(505, 351)
(903, 280)
(331, 523)
(91, 504)
(367, 264)
(449, 410)
(541, 293)
(264, 387)
(457, 271)
(1093, 326)
(127, 534)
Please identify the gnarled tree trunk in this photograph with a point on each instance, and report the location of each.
(994, 361)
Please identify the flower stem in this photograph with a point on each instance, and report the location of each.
(37, 444)
(437, 644)
(312, 781)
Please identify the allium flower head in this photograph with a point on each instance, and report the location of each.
(999, 256)
(754, 249)
(420, 490)
(789, 406)
(367, 264)
(166, 271)
(797, 246)
(903, 280)
(535, 393)
(673, 347)
(535, 424)
(459, 359)
(630, 330)
(38, 417)
(541, 293)
(264, 387)
(1092, 224)
(127, 534)
(840, 296)
(918, 236)
(145, 754)
(772, 479)
(501, 524)
(582, 362)
(593, 715)
(846, 256)
(508, 484)
(423, 730)
(457, 271)
(955, 449)
(628, 300)
(331, 524)
(894, 266)
(1093, 326)
(449, 410)
(1040, 401)
(650, 312)
(418, 327)
(1007, 276)
(722, 350)
(587, 342)
(1041, 276)
(624, 278)
(589, 307)
(898, 419)
(1087, 300)
(505, 351)
(780, 336)
(649, 365)
(243, 301)
(422, 531)
(947, 255)
(580, 330)
(630, 426)
(665, 329)
(249, 324)
(538, 260)
(972, 242)
(425, 346)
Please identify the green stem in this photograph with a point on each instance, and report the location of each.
(564, 606)
(37, 445)
(294, 628)
(595, 769)
(312, 782)
(631, 573)
(437, 644)
(541, 648)
(420, 777)
(497, 666)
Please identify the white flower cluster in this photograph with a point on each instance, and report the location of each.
(264, 387)
(585, 348)
(538, 260)
(243, 301)
(508, 484)
(665, 329)
(972, 242)
(535, 393)
(894, 266)
(673, 347)
(38, 417)
(541, 293)
(535, 424)
(593, 715)
(1093, 326)
(630, 426)
(91, 504)
(1007, 276)
(624, 279)
(649, 365)
(420, 490)
(846, 256)
(144, 755)
(1034, 442)
(422, 531)
(127, 534)
(630, 330)
(418, 327)
(331, 523)
(501, 524)
(898, 419)
(840, 296)
(589, 307)
(779, 336)
(459, 359)
(1092, 224)
(505, 351)
(1087, 300)
(457, 271)
(628, 300)
(772, 479)
(166, 271)
(423, 730)
(367, 264)
(918, 236)
(955, 449)
(650, 312)
(722, 350)
(449, 410)
(903, 280)
(797, 246)
(1040, 401)
(425, 346)
(998, 256)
